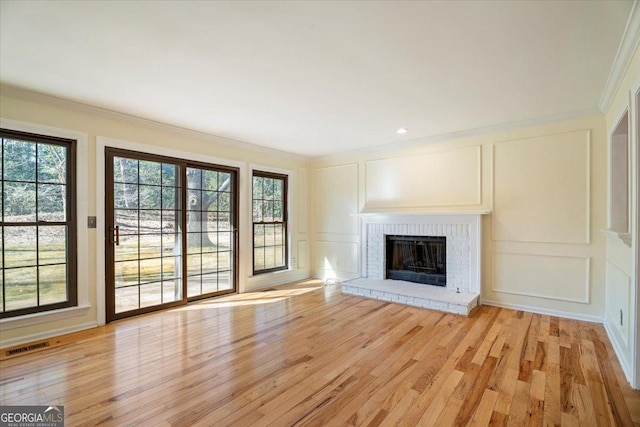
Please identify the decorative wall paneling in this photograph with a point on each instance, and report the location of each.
(541, 189)
(448, 178)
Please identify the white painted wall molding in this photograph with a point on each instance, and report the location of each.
(626, 49)
(623, 284)
(278, 278)
(522, 171)
(546, 311)
(454, 175)
(42, 98)
(622, 237)
(46, 334)
(468, 133)
(626, 368)
(533, 283)
(43, 317)
(395, 213)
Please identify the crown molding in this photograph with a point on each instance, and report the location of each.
(43, 98)
(626, 49)
(465, 133)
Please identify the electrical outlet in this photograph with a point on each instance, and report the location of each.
(92, 222)
(294, 261)
(620, 317)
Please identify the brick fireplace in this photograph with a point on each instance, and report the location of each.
(462, 233)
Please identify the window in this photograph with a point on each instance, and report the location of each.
(269, 222)
(38, 258)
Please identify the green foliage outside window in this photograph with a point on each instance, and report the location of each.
(38, 235)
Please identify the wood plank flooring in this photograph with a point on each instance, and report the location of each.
(305, 354)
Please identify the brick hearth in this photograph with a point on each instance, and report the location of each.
(463, 233)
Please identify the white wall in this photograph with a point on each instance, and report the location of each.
(41, 110)
(546, 188)
(540, 227)
(336, 221)
(622, 294)
(448, 178)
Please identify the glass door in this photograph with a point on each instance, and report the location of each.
(148, 208)
(210, 232)
(144, 237)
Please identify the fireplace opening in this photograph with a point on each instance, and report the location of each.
(419, 259)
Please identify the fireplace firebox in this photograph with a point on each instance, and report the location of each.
(419, 259)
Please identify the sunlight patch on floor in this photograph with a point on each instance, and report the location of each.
(251, 298)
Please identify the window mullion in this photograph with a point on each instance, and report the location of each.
(183, 226)
(37, 233)
(139, 237)
(4, 296)
(161, 237)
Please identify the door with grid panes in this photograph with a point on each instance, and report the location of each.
(172, 234)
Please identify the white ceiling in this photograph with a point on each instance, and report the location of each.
(316, 78)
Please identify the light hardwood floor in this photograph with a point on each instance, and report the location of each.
(305, 354)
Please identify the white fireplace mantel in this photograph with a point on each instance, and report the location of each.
(371, 213)
(463, 229)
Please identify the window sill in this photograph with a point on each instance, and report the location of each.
(43, 317)
(272, 273)
(623, 237)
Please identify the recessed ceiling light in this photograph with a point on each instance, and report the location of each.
(402, 130)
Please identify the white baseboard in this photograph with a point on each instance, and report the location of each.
(334, 280)
(558, 313)
(613, 338)
(286, 277)
(43, 317)
(11, 342)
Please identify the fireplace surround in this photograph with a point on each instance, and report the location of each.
(462, 231)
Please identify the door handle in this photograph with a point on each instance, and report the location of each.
(115, 235)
